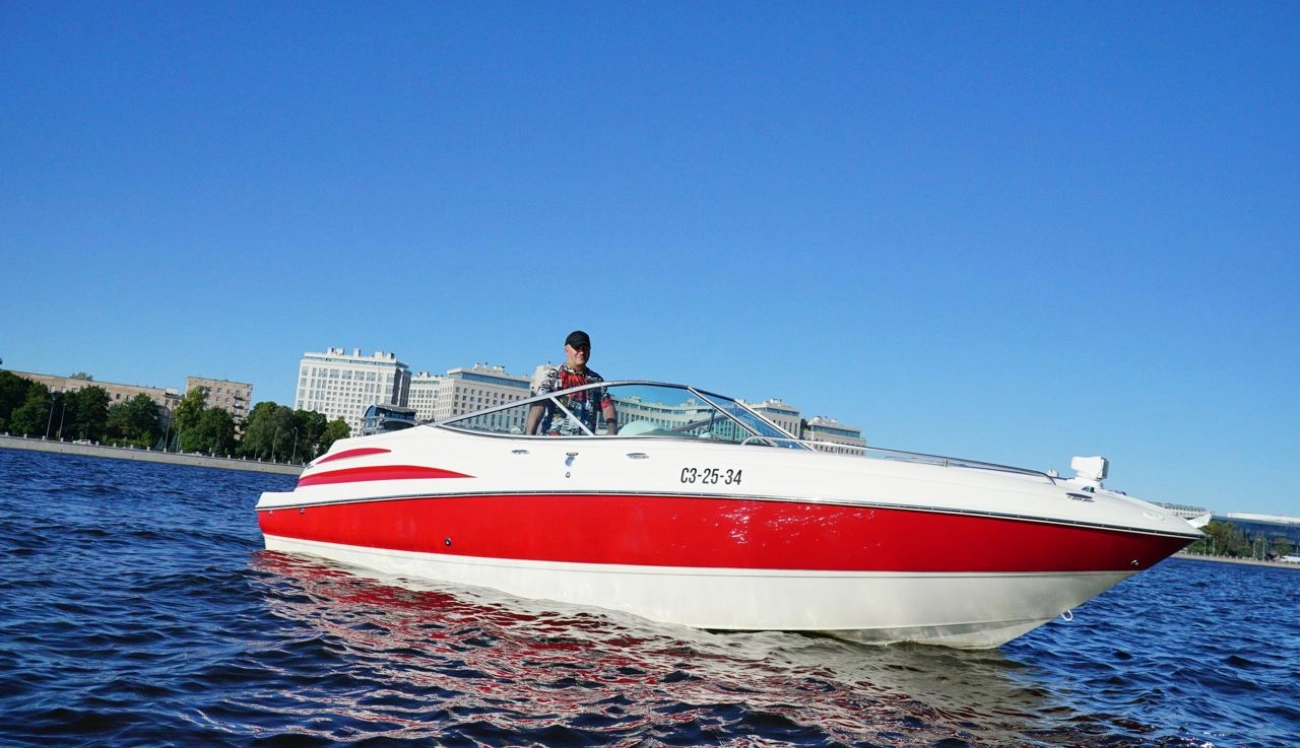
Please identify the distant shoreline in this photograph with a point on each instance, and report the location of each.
(147, 455)
(1242, 561)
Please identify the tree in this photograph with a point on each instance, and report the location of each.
(282, 433)
(270, 432)
(259, 430)
(1282, 546)
(334, 430)
(274, 431)
(92, 412)
(32, 417)
(144, 418)
(214, 433)
(190, 409)
(1224, 539)
(311, 428)
(118, 427)
(137, 421)
(13, 393)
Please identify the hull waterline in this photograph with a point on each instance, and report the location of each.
(868, 573)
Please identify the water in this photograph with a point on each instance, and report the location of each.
(137, 608)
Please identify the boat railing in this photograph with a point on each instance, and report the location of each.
(881, 453)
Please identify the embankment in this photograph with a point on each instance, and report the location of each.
(146, 455)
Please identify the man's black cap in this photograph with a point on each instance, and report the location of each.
(578, 339)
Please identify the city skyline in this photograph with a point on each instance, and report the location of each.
(433, 396)
(838, 432)
(1002, 233)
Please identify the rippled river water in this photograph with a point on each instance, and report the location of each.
(138, 608)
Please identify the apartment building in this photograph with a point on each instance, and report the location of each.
(117, 393)
(233, 397)
(779, 412)
(424, 393)
(342, 385)
(823, 429)
(465, 390)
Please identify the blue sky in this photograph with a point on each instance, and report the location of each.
(1006, 231)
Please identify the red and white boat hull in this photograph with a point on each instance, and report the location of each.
(724, 536)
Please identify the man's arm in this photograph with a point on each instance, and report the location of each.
(611, 418)
(535, 412)
(534, 415)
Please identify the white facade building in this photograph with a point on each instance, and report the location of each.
(779, 412)
(425, 389)
(540, 374)
(341, 385)
(823, 429)
(671, 417)
(1185, 511)
(463, 390)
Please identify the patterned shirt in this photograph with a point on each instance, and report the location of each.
(580, 404)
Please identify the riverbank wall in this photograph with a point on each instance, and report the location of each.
(1242, 561)
(147, 455)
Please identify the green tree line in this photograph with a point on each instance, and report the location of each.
(271, 431)
(1228, 540)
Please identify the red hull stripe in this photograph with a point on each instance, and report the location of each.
(713, 532)
(376, 472)
(362, 452)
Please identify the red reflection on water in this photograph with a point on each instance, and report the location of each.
(469, 657)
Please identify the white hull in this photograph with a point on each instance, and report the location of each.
(966, 610)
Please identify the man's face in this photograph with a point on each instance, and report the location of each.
(577, 357)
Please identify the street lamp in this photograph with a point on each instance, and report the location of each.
(63, 411)
(275, 435)
(295, 445)
(50, 421)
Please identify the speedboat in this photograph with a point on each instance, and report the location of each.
(701, 512)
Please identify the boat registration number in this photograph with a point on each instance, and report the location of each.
(711, 476)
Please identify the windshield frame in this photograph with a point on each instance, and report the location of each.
(732, 410)
(778, 437)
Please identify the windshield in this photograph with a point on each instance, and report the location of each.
(643, 409)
